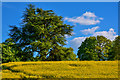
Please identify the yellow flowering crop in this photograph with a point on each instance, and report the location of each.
(61, 69)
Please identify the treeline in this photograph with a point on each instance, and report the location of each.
(99, 49)
(42, 32)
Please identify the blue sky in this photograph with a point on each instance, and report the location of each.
(88, 18)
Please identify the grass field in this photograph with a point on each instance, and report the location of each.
(61, 69)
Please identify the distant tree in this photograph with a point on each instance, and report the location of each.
(94, 48)
(40, 31)
(115, 49)
(62, 54)
(87, 49)
(103, 47)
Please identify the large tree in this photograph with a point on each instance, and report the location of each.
(40, 31)
(94, 48)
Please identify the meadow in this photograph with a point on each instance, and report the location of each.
(61, 69)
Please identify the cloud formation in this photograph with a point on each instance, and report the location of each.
(87, 18)
(89, 14)
(89, 31)
(111, 34)
(76, 42)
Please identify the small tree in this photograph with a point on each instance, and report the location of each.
(94, 48)
(87, 49)
(9, 54)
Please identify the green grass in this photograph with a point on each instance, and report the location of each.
(61, 69)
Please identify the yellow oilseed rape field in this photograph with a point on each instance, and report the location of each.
(61, 69)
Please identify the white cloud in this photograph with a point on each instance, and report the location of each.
(89, 14)
(76, 42)
(111, 34)
(87, 18)
(89, 31)
(101, 18)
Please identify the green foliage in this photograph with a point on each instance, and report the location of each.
(61, 54)
(94, 48)
(40, 31)
(8, 54)
(103, 47)
(11, 51)
(115, 49)
(87, 49)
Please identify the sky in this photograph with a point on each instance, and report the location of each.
(88, 18)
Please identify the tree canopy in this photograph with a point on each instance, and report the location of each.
(87, 49)
(95, 48)
(115, 49)
(9, 53)
(41, 31)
